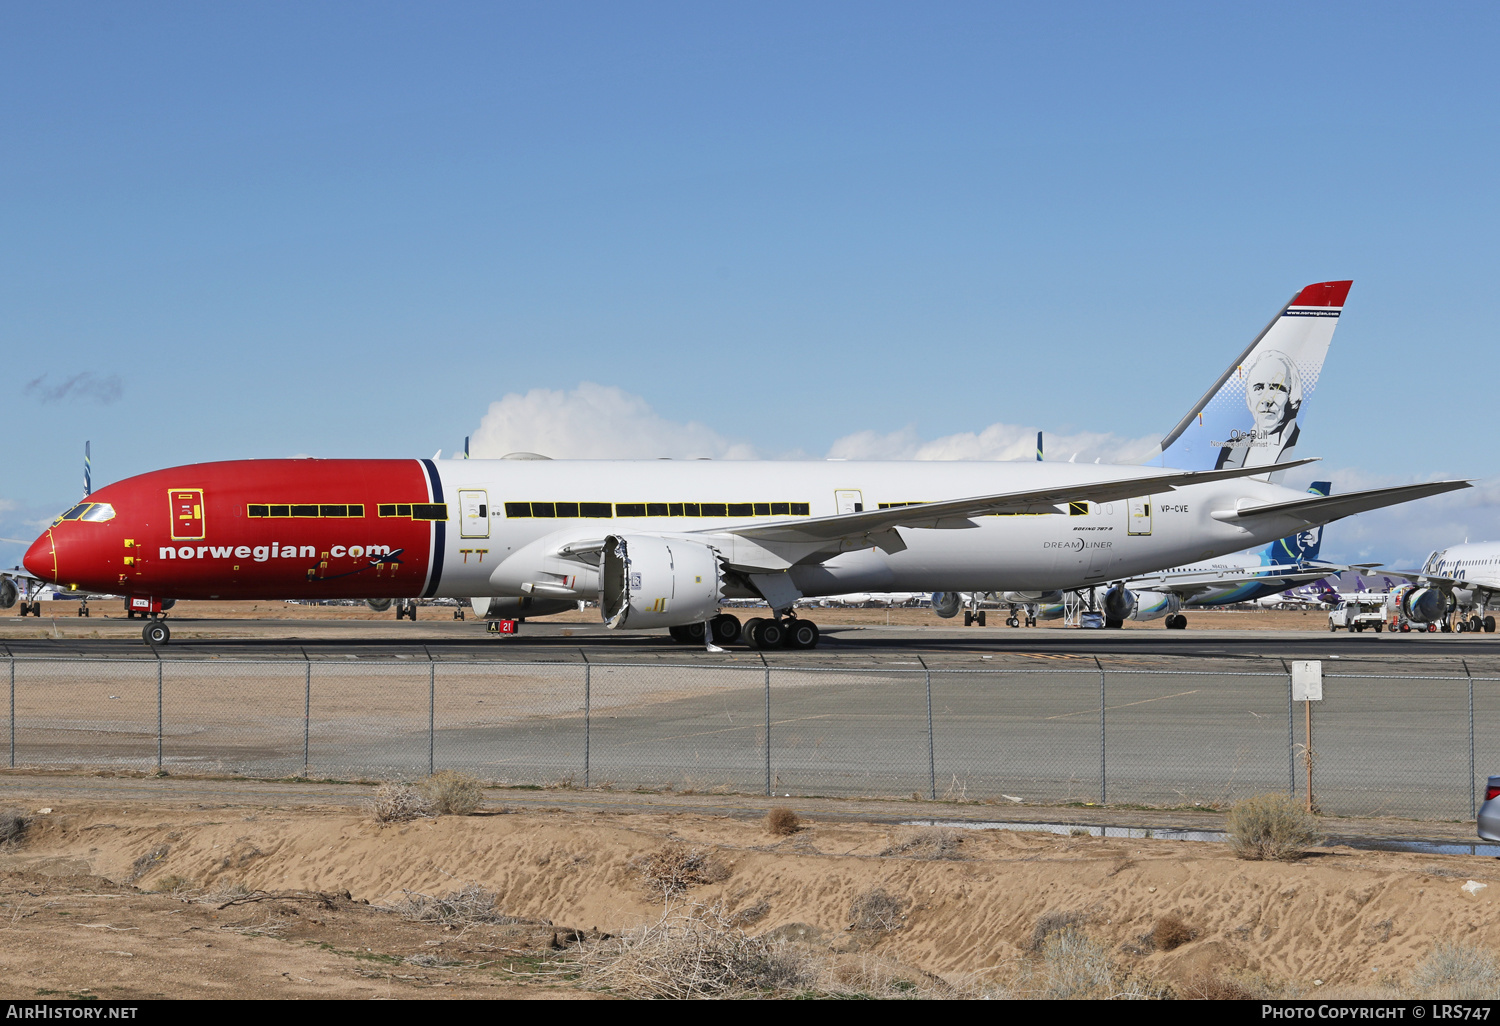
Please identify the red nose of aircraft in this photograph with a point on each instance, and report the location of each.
(41, 558)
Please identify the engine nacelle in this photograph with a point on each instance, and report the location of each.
(1120, 603)
(1031, 598)
(1050, 611)
(379, 605)
(8, 593)
(651, 581)
(1424, 605)
(506, 607)
(947, 603)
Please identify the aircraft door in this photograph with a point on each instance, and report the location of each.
(849, 500)
(474, 505)
(187, 512)
(1140, 516)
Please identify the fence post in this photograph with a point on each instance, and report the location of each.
(1103, 759)
(1291, 739)
(768, 729)
(158, 717)
(588, 673)
(931, 756)
(307, 719)
(12, 712)
(1473, 804)
(431, 717)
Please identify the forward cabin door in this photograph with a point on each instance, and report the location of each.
(187, 513)
(474, 506)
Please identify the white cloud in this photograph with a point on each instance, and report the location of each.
(594, 422)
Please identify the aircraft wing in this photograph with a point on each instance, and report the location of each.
(1322, 509)
(955, 513)
(1424, 577)
(777, 546)
(1292, 575)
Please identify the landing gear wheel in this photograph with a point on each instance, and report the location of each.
(968, 618)
(979, 618)
(680, 634)
(1475, 626)
(1031, 621)
(1012, 621)
(802, 634)
(1178, 622)
(156, 633)
(1489, 625)
(1110, 623)
(772, 634)
(726, 629)
(750, 633)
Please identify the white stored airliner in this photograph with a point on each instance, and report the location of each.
(662, 543)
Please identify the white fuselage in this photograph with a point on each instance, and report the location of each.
(500, 553)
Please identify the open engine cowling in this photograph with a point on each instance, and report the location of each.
(1120, 603)
(1424, 605)
(651, 581)
(947, 603)
(8, 593)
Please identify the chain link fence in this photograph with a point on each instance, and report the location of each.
(1403, 745)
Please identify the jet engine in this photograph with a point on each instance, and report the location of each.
(1120, 603)
(651, 581)
(1424, 605)
(506, 607)
(947, 603)
(8, 593)
(379, 605)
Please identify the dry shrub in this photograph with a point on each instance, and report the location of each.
(1271, 826)
(930, 843)
(397, 803)
(452, 793)
(147, 862)
(1171, 932)
(751, 914)
(1073, 966)
(877, 910)
(13, 824)
(1219, 988)
(1457, 972)
(694, 953)
(673, 868)
(469, 905)
(782, 821)
(171, 883)
(1052, 922)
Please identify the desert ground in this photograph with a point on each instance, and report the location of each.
(256, 896)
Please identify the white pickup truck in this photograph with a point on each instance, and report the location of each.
(1356, 616)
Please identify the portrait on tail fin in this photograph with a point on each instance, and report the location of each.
(1273, 393)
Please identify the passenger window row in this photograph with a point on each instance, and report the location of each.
(604, 510)
(304, 509)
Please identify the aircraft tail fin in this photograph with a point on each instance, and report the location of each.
(1295, 548)
(1249, 417)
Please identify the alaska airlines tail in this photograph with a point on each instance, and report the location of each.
(1250, 416)
(1295, 548)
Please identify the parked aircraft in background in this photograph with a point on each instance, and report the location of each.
(1455, 588)
(663, 543)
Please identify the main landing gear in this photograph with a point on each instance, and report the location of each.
(1176, 622)
(757, 632)
(407, 608)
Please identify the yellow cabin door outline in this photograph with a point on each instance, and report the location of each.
(848, 500)
(1140, 516)
(474, 515)
(187, 513)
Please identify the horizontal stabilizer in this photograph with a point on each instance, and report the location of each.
(1321, 510)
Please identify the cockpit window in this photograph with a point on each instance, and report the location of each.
(93, 512)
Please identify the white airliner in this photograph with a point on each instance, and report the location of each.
(1455, 588)
(663, 543)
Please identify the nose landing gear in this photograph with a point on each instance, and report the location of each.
(156, 633)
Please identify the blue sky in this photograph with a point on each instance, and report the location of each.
(349, 229)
